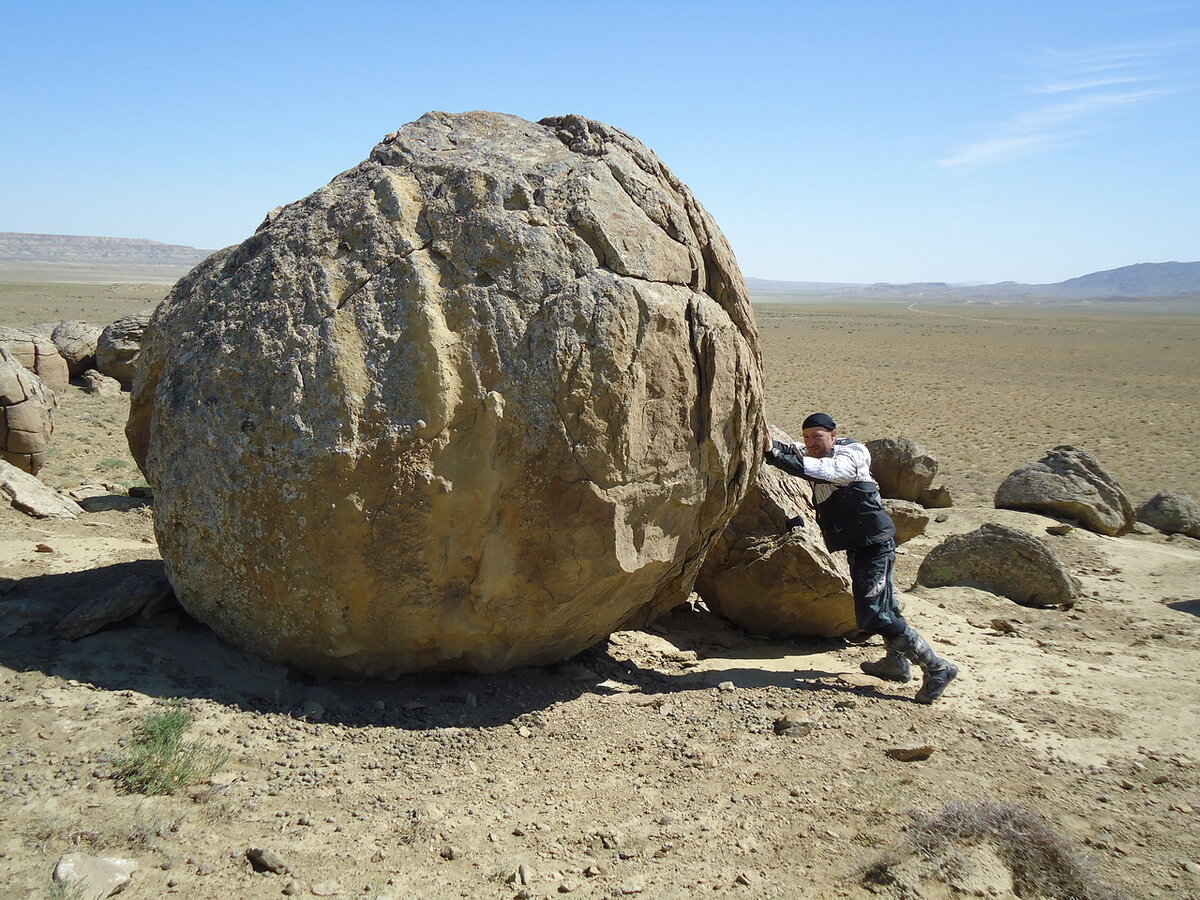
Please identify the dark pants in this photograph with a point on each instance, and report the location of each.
(871, 574)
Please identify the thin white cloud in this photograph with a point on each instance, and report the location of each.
(996, 149)
(1085, 84)
(1077, 91)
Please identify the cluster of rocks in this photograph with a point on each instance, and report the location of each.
(40, 361)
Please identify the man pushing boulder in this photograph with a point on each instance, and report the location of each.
(851, 516)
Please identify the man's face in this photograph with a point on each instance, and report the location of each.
(818, 441)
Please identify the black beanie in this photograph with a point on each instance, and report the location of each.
(819, 420)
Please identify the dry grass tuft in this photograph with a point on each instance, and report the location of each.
(1043, 861)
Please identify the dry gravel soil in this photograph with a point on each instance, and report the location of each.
(651, 765)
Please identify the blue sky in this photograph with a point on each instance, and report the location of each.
(855, 141)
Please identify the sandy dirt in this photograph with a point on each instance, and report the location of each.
(650, 765)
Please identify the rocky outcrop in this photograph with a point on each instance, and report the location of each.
(770, 572)
(1171, 513)
(902, 468)
(76, 343)
(485, 398)
(1003, 561)
(36, 353)
(26, 415)
(1069, 483)
(119, 347)
(910, 519)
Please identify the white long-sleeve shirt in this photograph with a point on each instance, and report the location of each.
(848, 461)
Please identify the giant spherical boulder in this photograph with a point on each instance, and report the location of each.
(26, 415)
(482, 400)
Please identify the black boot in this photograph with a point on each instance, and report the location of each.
(893, 667)
(938, 672)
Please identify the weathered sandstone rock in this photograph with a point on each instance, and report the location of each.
(1172, 513)
(936, 498)
(1069, 483)
(1001, 560)
(26, 415)
(92, 382)
(36, 353)
(482, 400)
(770, 572)
(902, 468)
(76, 343)
(30, 496)
(910, 519)
(129, 597)
(119, 347)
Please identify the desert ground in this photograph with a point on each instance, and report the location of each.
(651, 765)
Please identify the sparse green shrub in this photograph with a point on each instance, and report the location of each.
(110, 463)
(69, 889)
(1043, 862)
(160, 761)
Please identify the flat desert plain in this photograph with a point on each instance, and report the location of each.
(1064, 761)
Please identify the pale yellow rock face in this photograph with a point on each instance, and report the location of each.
(479, 402)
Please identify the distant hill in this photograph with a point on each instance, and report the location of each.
(70, 257)
(1173, 284)
(1142, 280)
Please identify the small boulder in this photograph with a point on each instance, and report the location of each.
(910, 519)
(126, 599)
(26, 415)
(769, 571)
(1003, 561)
(902, 468)
(76, 343)
(1069, 483)
(94, 877)
(1171, 513)
(94, 382)
(120, 345)
(936, 498)
(32, 497)
(36, 353)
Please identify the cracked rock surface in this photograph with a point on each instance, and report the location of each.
(26, 415)
(477, 403)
